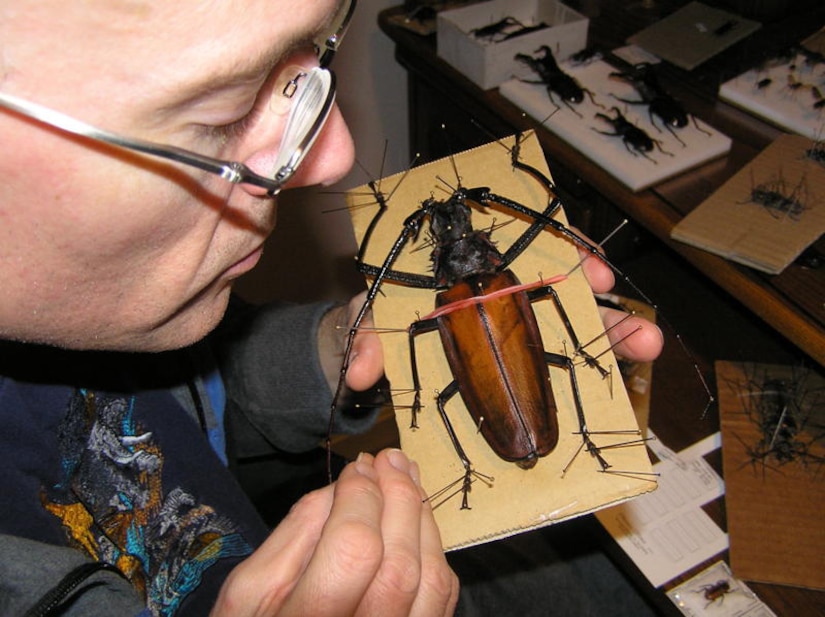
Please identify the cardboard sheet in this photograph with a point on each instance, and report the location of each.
(774, 509)
(693, 34)
(578, 126)
(731, 224)
(517, 499)
(783, 92)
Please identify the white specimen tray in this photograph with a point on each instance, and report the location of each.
(610, 153)
(786, 97)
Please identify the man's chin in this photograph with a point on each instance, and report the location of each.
(185, 327)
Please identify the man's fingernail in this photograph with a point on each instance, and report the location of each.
(364, 464)
(399, 460)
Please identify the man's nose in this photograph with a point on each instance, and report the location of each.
(328, 160)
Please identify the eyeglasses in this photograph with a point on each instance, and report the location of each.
(311, 94)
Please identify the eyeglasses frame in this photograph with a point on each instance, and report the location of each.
(231, 171)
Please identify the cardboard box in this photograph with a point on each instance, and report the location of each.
(490, 63)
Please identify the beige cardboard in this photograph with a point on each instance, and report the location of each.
(729, 224)
(517, 500)
(774, 511)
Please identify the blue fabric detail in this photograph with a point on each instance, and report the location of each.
(213, 384)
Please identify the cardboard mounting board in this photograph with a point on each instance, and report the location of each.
(774, 512)
(693, 34)
(729, 224)
(578, 127)
(783, 93)
(518, 499)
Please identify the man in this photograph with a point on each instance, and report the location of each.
(114, 457)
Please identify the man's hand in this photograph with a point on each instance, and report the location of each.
(367, 545)
(640, 340)
(367, 358)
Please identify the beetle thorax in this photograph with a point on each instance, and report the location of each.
(459, 250)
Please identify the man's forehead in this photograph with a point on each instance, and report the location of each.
(225, 41)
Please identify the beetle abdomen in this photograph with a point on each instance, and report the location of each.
(496, 355)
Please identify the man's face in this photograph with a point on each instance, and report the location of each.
(100, 248)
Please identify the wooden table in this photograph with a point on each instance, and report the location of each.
(793, 302)
(723, 310)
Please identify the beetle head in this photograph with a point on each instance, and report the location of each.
(450, 220)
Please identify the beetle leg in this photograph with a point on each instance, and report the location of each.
(445, 395)
(592, 98)
(547, 290)
(417, 327)
(672, 132)
(569, 106)
(562, 361)
(658, 145)
(699, 128)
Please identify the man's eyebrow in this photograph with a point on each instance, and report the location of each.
(240, 72)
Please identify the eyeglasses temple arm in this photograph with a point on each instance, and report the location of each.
(231, 171)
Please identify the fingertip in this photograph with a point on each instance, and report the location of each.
(366, 363)
(645, 342)
(598, 274)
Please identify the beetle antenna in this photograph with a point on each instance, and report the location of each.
(600, 244)
(372, 329)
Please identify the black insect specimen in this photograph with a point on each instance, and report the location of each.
(586, 56)
(775, 197)
(763, 83)
(817, 152)
(488, 329)
(660, 103)
(492, 32)
(811, 58)
(558, 83)
(725, 27)
(784, 410)
(716, 592)
(505, 29)
(636, 140)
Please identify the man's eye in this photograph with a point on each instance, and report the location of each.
(236, 129)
